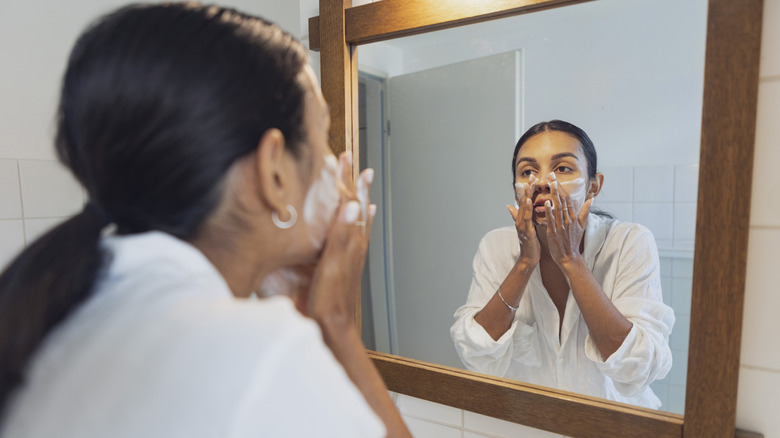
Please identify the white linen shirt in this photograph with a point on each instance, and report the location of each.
(624, 260)
(163, 349)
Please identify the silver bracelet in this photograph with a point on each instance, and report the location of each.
(514, 309)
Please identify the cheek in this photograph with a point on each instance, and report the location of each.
(577, 191)
(321, 202)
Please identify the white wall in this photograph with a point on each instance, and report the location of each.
(628, 73)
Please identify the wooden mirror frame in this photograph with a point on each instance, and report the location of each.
(722, 221)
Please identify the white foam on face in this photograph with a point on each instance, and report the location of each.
(321, 202)
(577, 192)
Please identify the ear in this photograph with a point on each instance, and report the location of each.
(595, 186)
(276, 173)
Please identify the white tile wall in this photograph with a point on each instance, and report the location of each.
(764, 209)
(662, 198)
(428, 429)
(686, 183)
(10, 193)
(760, 347)
(430, 411)
(770, 40)
(681, 295)
(758, 402)
(36, 194)
(499, 428)
(684, 227)
(12, 238)
(49, 190)
(653, 183)
(618, 184)
(659, 218)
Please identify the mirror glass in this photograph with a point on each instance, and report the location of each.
(440, 114)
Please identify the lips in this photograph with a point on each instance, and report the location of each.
(539, 205)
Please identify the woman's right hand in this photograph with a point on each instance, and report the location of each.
(334, 289)
(530, 249)
(336, 278)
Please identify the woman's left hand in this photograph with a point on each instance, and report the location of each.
(565, 226)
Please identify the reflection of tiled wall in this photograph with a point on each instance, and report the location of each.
(662, 198)
(677, 282)
(34, 196)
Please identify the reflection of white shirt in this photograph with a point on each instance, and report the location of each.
(162, 349)
(624, 259)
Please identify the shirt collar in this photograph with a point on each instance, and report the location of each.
(136, 254)
(596, 229)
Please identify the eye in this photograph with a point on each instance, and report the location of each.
(563, 169)
(526, 172)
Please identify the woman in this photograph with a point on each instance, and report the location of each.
(200, 135)
(565, 298)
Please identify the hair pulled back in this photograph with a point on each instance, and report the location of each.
(559, 125)
(157, 103)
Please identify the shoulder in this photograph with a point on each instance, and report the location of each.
(503, 236)
(629, 232)
(499, 244)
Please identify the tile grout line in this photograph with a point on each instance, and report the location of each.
(21, 200)
(765, 227)
(430, 420)
(759, 368)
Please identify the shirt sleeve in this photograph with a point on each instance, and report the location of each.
(645, 355)
(476, 348)
(301, 390)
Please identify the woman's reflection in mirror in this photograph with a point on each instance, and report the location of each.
(566, 297)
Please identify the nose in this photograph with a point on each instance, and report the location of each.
(543, 184)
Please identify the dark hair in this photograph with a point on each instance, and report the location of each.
(158, 101)
(559, 125)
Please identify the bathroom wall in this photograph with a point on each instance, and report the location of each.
(35, 36)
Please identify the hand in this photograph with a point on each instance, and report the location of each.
(291, 281)
(530, 250)
(336, 279)
(565, 226)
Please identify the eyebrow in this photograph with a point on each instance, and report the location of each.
(554, 158)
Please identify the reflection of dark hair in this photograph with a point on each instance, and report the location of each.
(559, 125)
(585, 143)
(157, 103)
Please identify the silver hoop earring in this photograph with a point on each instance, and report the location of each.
(289, 222)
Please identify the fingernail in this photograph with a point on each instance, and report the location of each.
(369, 175)
(372, 210)
(547, 203)
(351, 211)
(551, 176)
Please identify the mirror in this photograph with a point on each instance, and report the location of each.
(725, 163)
(457, 100)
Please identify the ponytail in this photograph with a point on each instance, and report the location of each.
(42, 286)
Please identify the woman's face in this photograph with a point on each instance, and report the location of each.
(553, 152)
(322, 195)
